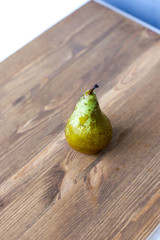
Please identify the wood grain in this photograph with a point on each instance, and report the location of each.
(48, 190)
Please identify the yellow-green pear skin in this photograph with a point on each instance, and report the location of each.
(88, 130)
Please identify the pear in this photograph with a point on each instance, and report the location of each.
(88, 130)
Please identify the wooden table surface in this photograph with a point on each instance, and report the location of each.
(48, 190)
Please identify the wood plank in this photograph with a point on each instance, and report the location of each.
(47, 189)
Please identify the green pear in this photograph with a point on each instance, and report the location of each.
(88, 130)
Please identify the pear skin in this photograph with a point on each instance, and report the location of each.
(88, 130)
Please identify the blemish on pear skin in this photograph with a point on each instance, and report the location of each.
(83, 119)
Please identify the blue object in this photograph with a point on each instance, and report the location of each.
(147, 11)
(155, 235)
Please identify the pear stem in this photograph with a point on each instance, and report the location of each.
(91, 90)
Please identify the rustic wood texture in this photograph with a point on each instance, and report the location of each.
(48, 190)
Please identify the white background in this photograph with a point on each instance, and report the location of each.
(23, 20)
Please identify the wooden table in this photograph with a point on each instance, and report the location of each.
(48, 190)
